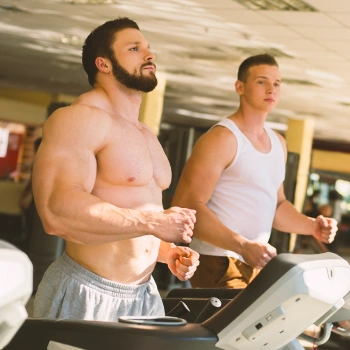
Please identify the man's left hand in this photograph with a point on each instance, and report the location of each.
(182, 262)
(325, 229)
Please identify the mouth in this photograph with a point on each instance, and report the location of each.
(269, 100)
(150, 67)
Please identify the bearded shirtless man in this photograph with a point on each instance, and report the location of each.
(98, 180)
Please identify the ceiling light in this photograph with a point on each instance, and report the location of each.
(73, 40)
(277, 126)
(193, 114)
(324, 77)
(277, 5)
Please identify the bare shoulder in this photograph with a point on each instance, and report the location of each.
(78, 125)
(218, 139)
(78, 114)
(283, 143)
(281, 138)
(215, 149)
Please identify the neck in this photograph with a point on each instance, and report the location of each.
(119, 100)
(249, 120)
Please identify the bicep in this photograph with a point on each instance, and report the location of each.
(199, 179)
(64, 162)
(210, 156)
(58, 168)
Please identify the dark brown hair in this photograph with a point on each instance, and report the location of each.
(257, 60)
(99, 44)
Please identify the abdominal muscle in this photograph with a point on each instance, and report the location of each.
(126, 261)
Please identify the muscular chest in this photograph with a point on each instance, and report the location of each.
(133, 157)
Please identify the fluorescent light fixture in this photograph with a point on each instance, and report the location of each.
(192, 114)
(277, 126)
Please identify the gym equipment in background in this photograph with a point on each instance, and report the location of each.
(16, 285)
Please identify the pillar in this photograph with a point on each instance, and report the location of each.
(299, 137)
(152, 106)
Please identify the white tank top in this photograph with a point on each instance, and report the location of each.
(245, 198)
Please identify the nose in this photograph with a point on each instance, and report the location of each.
(150, 56)
(271, 88)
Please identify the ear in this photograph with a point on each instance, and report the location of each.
(239, 87)
(102, 64)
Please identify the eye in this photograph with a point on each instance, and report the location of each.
(277, 84)
(261, 82)
(133, 48)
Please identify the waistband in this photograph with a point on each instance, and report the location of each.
(98, 283)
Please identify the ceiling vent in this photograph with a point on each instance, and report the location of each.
(298, 82)
(345, 104)
(277, 5)
(13, 8)
(273, 51)
(182, 72)
(89, 2)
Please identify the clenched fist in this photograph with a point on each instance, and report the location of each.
(176, 225)
(182, 262)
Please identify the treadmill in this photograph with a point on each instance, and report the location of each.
(291, 293)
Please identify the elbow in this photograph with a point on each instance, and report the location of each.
(55, 225)
(183, 201)
(49, 223)
(49, 227)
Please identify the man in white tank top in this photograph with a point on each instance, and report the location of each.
(234, 181)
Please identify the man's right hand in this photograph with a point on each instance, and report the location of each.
(177, 226)
(257, 254)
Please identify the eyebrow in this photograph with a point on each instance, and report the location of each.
(135, 43)
(262, 77)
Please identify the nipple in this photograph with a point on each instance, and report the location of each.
(130, 179)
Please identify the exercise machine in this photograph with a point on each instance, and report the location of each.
(291, 293)
(16, 284)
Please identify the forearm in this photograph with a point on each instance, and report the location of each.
(163, 251)
(80, 217)
(289, 219)
(210, 229)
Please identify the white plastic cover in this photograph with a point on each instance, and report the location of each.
(16, 286)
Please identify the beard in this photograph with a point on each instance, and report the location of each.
(134, 81)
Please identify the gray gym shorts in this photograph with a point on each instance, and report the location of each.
(69, 291)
